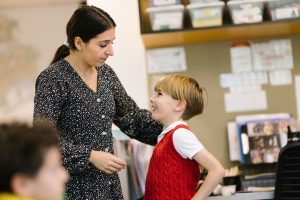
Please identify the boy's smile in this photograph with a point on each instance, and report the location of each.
(163, 108)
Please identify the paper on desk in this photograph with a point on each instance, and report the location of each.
(166, 60)
(260, 189)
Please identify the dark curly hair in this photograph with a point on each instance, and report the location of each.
(23, 148)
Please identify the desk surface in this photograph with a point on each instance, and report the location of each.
(246, 196)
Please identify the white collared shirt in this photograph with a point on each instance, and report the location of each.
(185, 142)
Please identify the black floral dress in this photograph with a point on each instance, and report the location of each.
(84, 119)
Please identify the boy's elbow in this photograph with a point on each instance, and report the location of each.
(220, 172)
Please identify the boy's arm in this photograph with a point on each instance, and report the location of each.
(214, 175)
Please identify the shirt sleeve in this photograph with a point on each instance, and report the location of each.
(50, 95)
(186, 143)
(135, 122)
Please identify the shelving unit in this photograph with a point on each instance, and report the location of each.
(227, 32)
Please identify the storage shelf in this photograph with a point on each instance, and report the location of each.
(222, 33)
(227, 32)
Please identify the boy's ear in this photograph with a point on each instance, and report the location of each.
(21, 185)
(181, 105)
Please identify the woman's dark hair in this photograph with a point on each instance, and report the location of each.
(23, 149)
(86, 22)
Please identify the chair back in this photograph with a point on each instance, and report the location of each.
(287, 184)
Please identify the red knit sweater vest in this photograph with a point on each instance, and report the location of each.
(170, 176)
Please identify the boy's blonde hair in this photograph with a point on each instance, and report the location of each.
(183, 88)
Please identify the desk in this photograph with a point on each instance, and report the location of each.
(245, 196)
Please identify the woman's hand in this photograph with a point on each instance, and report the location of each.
(106, 162)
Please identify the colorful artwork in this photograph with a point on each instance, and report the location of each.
(264, 140)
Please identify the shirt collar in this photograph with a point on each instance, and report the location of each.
(171, 126)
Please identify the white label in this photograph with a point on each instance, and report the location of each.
(283, 13)
(163, 2)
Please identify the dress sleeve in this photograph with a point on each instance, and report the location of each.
(50, 95)
(48, 99)
(75, 157)
(135, 122)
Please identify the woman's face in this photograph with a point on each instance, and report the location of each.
(99, 48)
(49, 183)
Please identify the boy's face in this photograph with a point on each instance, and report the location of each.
(49, 183)
(163, 108)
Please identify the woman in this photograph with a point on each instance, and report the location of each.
(83, 96)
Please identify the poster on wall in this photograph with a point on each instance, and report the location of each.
(245, 101)
(166, 60)
(254, 64)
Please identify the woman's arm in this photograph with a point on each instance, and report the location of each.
(135, 122)
(50, 95)
(48, 99)
(214, 176)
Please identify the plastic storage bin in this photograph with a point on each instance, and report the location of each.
(285, 9)
(153, 3)
(246, 11)
(166, 17)
(202, 1)
(206, 14)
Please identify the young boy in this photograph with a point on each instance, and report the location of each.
(174, 169)
(30, 163)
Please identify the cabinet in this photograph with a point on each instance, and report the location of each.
(227, 32)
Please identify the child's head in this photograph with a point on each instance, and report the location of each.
(30, 162)
(185, 90)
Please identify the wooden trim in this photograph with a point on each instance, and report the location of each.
(223, 33)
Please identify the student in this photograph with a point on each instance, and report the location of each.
(174, 166)
(30, 163)
(82, 96)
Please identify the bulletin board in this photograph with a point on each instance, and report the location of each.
(205, 62)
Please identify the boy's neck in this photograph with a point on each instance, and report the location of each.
(168, 122)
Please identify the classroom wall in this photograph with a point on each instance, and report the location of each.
(205, 63)
(29, 37)
(129, 58)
